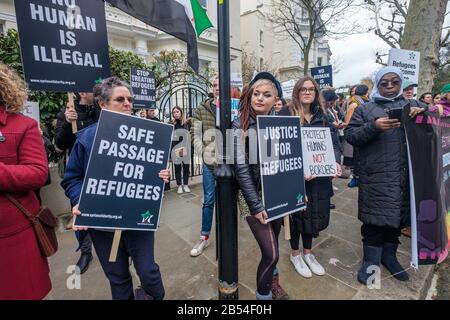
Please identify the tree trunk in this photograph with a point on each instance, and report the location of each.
(423, 33)
(306, 56)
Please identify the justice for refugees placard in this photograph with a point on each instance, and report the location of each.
(144, 90)
(281, 165)
(121, 189)
(63, 43)
(318, 154)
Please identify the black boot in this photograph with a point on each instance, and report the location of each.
(389, 260)
(372, 256)
(84, 261)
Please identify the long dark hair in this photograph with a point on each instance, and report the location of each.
(246, 111)
(296, 108)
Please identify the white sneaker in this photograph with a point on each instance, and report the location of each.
(335, 188)
(180, 190)
(300, 266)
(199, 247)
(186, 189)
(313, 264)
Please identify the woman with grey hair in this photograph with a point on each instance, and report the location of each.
(115, 95)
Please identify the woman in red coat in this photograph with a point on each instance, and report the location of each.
(24, 273)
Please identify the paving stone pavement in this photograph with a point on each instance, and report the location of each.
(338, 249)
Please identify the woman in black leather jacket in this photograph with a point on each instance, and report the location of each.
(258, 99)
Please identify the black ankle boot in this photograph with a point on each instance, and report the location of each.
(84, 261)
(372, 257)
(389, 260)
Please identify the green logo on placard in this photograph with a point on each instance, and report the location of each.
(146, 217)
(412, 56)
(299, 199)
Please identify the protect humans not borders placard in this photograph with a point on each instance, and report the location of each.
(318, 154)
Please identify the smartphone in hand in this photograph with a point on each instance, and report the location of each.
(395, 113)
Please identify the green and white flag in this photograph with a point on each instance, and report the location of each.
(197, 15)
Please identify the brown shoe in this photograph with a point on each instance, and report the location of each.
(278, 292)
(406, 232)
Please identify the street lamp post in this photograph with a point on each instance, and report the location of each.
(225, 192)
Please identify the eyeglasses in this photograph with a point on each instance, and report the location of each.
(310, 90)
(385, 83)
(122, 99)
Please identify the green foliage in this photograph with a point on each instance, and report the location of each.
(50, 103)
(168, 65)
(122, 61)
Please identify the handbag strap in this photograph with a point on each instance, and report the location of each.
(19, 206)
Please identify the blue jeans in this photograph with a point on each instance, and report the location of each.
(139, 246)
(209, 194)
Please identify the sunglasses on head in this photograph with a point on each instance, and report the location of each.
(122, 99)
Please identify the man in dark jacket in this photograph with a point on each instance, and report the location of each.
(151, 114)
(383, 204)
(85, 113)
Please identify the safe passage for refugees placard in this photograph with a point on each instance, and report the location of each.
(281, 165)
(121, 189)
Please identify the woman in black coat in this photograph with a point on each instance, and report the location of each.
(383, 199)
(258, 99)
(180, 154)
(308, 105)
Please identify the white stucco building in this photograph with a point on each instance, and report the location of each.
(273, 48)
(128, 33)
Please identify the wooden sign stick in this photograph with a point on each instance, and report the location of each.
(72, 106)
(115, 246)
(287, 228)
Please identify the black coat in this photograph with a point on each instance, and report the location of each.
(178, 138)
(64, 138)
(383, 198)
(318, 190)
(247, 172)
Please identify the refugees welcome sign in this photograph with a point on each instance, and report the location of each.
(280, 155)
(63, 43)
(122, 189)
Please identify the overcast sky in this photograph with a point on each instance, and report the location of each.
(356, 56)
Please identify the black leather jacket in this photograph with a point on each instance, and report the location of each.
(246, 165)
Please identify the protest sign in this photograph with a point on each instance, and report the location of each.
(63, 43)
(236, 80)
(280, 156)
(121, 189)
(288, 88)
(31, 109)
(428, 138)
(318, 154)
(408, 61)
(234, 109)
(323, 76)
(143, 84)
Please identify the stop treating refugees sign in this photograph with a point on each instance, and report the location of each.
(144, 90)
(318, 153)
(280, 155)
(121, 189)
(63, 43)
